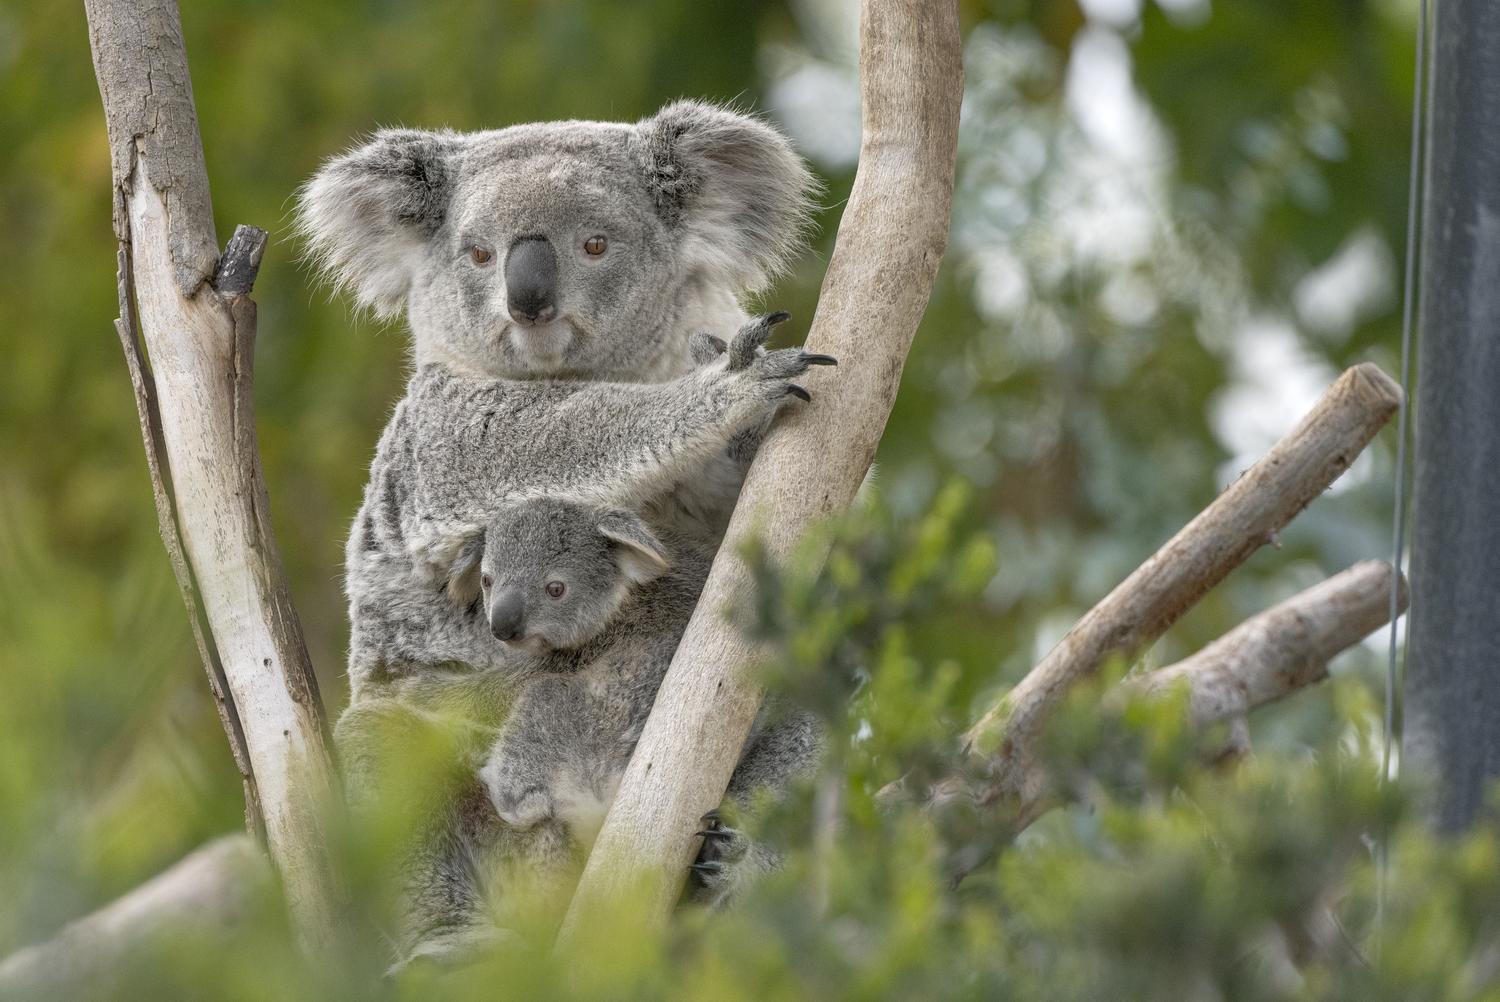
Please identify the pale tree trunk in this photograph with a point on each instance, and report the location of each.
(197, 324)
(892, 236)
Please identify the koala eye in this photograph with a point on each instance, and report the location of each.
(556, 589)
(486, 580)
(480, 255)
(595, 245)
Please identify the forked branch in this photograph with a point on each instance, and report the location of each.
(891, 238)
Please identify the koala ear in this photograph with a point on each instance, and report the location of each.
(367, 214)
(641, 556)
(463, 577)
(739, 193)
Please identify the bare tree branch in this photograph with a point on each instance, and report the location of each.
(208, 891)
(198, 422)
(1281, 650)
(892, 236)
(1240, 521)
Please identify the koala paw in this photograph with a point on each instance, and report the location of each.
(727, 863)
(522, 808)
(772, 372)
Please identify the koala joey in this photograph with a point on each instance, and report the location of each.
(557, 576)
(607, 598)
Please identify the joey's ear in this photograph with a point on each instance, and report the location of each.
(463, 577)
(641, 556)
(733, 185)
(367, 213)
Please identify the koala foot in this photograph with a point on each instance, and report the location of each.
(772, 370)
(727, 864)
(453, 947)
(522, 808)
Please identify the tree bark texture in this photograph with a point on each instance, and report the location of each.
(198, 421)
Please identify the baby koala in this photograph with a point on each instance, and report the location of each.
(591, 600)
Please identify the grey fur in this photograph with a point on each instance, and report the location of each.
(605, 406)
(699, 205)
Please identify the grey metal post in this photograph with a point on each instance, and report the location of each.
(1452, 685)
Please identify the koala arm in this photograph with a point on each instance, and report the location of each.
(481, 443)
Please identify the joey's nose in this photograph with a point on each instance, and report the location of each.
(531, 281)
(506, 610)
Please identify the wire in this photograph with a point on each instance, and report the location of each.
(1420, 112)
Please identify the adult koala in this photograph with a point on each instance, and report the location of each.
(559, 251)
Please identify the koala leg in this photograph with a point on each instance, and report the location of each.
(729, 861)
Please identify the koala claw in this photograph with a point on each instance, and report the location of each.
(796, 391)
(710, 868)
(812, 359)
(742, 349)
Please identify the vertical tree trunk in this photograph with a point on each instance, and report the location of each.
(1452, 683)
(891, 238)
(197, 324)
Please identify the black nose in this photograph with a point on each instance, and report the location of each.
(506, 609)
(531, 281)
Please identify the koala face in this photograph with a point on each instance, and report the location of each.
(582, 249)
(553, 574)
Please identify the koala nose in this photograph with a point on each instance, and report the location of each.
(506, 609)
(531, 281)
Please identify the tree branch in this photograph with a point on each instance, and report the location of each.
(891, 238)
(1284, 649)
(210, 890)
(1240, 521)
(198, 423)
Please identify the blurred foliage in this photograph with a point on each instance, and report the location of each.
(1153, 203)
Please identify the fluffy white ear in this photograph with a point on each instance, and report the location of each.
(641, 556)
(367, 214)
(463, 577)
(740, 194)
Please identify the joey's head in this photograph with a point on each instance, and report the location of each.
(552, 574)
(584, 249)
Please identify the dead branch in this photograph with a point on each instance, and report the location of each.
(891, 238)
(1240, 521)
(1284, 649)
(208, 892)
(198, 424)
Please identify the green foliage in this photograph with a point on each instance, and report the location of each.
(1078, 393)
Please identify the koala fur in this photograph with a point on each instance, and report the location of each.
(699, 205)
(595, 394)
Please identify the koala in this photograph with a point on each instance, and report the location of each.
(601, 591)
(558, 576)
(555, 277)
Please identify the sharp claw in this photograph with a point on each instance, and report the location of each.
(709, 867)
(711, 819)
(796, 391)
(715, 833)
(780, 316)
(819, 359)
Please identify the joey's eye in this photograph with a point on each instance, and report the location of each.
(595, 245)
(486, 580)
(480, 255)
(556, 589)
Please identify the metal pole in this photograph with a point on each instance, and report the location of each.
(1452, 688)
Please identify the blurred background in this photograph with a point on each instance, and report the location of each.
(1175, 222)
